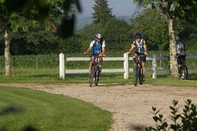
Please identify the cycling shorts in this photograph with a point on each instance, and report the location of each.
(142, 56)
(181, 59)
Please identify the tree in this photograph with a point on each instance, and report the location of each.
(17, 14)
(102, 13)
(117, 34)
(173, 9)
(152, 24)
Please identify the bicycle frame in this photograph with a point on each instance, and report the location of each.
(95, 70)
(180, 70)
(185, 70)
(138, 71)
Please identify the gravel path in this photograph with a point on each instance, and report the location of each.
(130, 105)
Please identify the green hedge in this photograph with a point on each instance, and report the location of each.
(52, 61)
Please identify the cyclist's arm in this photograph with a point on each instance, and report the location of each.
(103, 51)
(89, 48)
(131, 49)
(145, 48)
(103, 48)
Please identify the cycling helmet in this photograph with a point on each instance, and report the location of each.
(138, 35)
(98, 35)
(177, 37)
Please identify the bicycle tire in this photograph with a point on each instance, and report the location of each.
(135, 75)
(186, 73)
(179, 71)
(96, 76)
(91, 76)
(140, 75)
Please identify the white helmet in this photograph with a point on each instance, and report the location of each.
(97, 35)
(177, 37)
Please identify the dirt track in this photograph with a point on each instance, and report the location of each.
(130, 105)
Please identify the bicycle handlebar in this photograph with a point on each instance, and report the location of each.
(90, 55)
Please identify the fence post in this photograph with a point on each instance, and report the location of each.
(154, 66)
(126, 66)
(61, 66)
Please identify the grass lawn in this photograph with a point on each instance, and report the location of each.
(52, 76)
(21, 108)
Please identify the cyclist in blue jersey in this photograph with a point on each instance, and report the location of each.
(141, 49)
(98, 48)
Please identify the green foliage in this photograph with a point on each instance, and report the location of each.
(117, 35)
(185, 121)
(36, 61)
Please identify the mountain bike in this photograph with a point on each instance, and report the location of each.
(95, 70)
(180, 70)
(138, 70)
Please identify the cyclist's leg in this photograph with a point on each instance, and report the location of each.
(100, 63)
(90, 66)
(143, 59)
(183, 66)
(134, 57)
(144, 68)
(179, 64)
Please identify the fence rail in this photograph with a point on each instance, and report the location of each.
(125, 59)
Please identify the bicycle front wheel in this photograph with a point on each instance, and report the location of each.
(135, 75)
(92, 74)
(140, 75)
(97, 74)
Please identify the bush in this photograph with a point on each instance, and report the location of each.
(188, 118)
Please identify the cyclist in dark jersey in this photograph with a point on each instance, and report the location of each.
(141, 49)
(180, 52)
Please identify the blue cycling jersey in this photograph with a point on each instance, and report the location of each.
(97, 48)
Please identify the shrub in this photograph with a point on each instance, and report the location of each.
(188, 118)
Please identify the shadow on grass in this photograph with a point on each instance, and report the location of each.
(44, 75)
(192, 76)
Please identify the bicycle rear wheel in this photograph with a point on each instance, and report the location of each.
(92, 74)
(140, 75)
(97, 74)
(135, 75)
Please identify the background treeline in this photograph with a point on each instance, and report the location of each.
(117, 32)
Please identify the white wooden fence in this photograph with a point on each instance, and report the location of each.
(125, 69)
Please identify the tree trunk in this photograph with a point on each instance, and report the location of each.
(172, 49)
(7, 54)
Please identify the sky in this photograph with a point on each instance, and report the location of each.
(120, 7)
